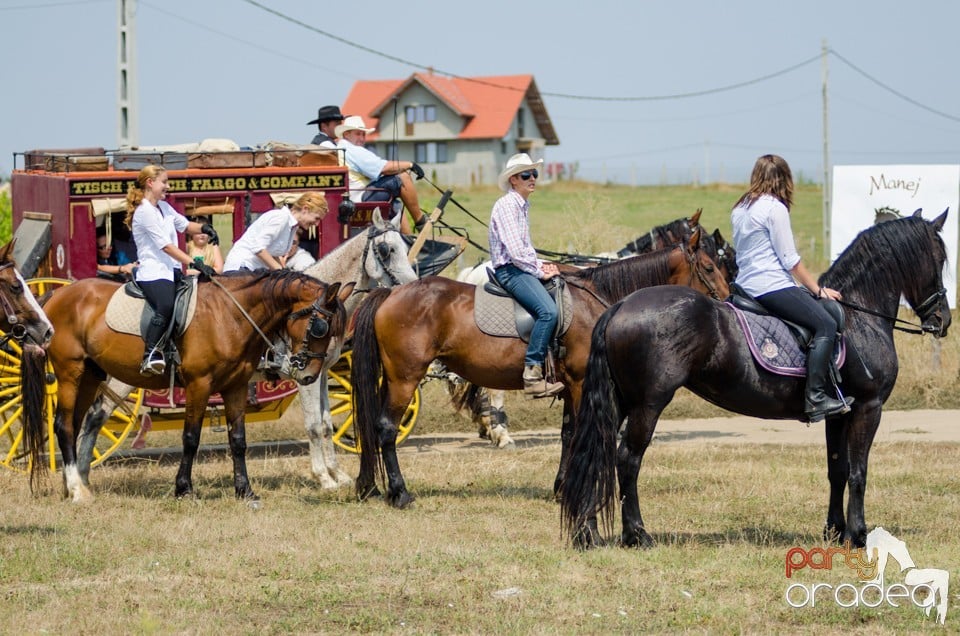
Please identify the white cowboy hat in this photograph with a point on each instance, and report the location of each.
(353, 122)
(515, 165)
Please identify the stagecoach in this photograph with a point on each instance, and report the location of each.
(63, 198)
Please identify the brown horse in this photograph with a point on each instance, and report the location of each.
(24, 330)
(236, 318)
(400, 331)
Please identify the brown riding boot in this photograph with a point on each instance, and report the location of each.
(534, 384)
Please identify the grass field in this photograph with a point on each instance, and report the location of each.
(479, 553)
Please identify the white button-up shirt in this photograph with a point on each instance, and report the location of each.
(272, 231)
(153, 229)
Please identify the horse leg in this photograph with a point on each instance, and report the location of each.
(234, 407)
(863, 427)
(108, 398)
(64, 427)
(566, 439)
(192, 424)
(319, 426)
(399, 395)
(641, 422)
(310, 396)
(838, 470)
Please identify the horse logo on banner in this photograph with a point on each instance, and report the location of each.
(881, 545)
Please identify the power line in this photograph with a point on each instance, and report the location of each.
(891, 90)
(47, 5)
(594, 98)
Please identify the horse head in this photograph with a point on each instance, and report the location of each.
(313, 324)
(934, 310)
(704, 274)
(20, 314)
(726, 256)
(385, 255)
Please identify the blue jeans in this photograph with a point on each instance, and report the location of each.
(530, 293)
(383, 189)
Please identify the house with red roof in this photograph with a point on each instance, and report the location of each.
(461, 130)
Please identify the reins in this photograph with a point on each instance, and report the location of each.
(921, 309)
(243, 312)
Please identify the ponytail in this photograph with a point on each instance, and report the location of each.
(136, 191)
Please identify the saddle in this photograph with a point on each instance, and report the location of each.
(778, 345)
(129, 312)
(497, 313)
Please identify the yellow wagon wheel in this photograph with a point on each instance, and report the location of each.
(12, 454)
(341, 406)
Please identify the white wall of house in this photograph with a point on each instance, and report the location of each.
(469, 161)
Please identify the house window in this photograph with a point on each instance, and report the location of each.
(392, 152)
(520, 123)
(431, 152)
(421, 113)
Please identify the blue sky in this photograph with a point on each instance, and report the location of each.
(226, 68)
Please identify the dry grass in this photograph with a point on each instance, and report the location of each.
(480, 552)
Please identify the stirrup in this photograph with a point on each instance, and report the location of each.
(153, 363)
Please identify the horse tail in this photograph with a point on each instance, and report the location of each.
(365, 378)
(33, 386)
(590, 482)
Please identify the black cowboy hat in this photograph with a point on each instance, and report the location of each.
(327, 113)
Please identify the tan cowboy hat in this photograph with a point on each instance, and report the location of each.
(515, 165)
(353, 122)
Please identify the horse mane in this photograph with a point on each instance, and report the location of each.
(894, 255)
(278, 282)
(666, 234)
(615, 280)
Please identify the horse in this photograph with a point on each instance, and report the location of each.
(24, 326)
(400, 331)
(660, 339)
(486, 406)
(376, 256)
(235, 316)
(680, 230)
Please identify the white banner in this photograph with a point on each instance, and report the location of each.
(864, 195)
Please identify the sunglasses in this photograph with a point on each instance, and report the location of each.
(526, 174)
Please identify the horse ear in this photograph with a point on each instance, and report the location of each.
(377, 219)
(694, 220)
(718, 237)
(694, 243)
(346, 290)
(917, 212)
(5, 253)
(940, 221)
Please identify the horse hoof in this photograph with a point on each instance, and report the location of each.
(367, 492)
(401, 501)
(637, 539)
(254, 503)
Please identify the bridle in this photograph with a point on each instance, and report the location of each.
(317, 328)
(318, 325)
(381, 253)
(18, 331)
(924, 310)
(696, 270)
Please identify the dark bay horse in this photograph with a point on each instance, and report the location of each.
(236, 317)
(24, 331)
(660, 339)
(679, 230)
(400, 331)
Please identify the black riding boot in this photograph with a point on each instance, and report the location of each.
(819, 403)
(153, 362)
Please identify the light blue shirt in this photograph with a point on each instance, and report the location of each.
(272, 231)
(153, 229)
(364, 165)
(764, 244)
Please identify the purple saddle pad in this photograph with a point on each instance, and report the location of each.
(774, 346)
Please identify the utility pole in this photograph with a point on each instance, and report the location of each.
(128, 117)
(826, 157)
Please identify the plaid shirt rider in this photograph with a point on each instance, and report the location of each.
(509, 235)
